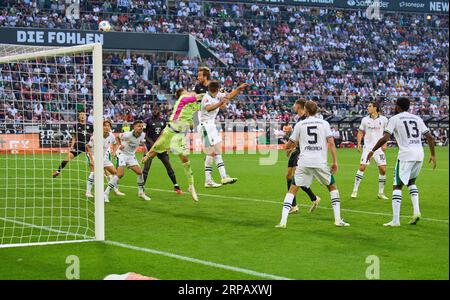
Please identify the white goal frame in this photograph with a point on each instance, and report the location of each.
(96, 49)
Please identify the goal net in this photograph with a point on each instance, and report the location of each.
(43, 93)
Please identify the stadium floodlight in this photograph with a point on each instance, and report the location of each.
(42, 91)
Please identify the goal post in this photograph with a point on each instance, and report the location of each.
(42, 93)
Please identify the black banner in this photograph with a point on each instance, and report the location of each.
(60, 135)
(421, 6)
(109, 40)
(55, 135)
(11, 129)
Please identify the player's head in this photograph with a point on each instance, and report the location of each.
(203, 74)
(156, 112)
(402, 104)
(82, 116)
(299, 106)
(138, 126)
(179, 92)
(311, 108)
(373, 107)
(107, 125)
(213, 88)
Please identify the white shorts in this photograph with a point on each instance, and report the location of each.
(124, 160)
(405, 171)
(304, 176)
(106, 161)
(379, 156)
(210, 134)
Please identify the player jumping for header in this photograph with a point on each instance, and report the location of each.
(212, 141)
(173, 137)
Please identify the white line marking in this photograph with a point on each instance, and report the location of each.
(152, 251)
(198, 261)
(280, 203)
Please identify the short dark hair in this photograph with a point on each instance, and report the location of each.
(137, 122)
(214, 86)
(311, 107)
(403, 103)
(301, 102)
(376, 105)
(178, 93)
(206, 72)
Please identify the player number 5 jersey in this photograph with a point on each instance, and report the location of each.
(312, 134)
(408, 130)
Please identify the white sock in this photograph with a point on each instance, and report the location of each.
(111, 183)
(336, 203)
(358, 178)
(140, 182)
(396, 202)
(208, 168)
(90, 182)
(286, 207)
(220, 166)
(116, 188)
(381, 183)
(414, 194)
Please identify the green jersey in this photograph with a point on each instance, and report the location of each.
(183, 112)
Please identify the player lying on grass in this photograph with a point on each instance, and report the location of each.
(80, 137)
(314, 137)
(128, 142)
(408, 130)
(212, 141)
(108, 141)
(372, 128)
(153, 129)
(173, 137)
(299, 109)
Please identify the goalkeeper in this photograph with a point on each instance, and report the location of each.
(173, 137)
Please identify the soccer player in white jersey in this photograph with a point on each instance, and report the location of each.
(315, 140)
(108, 141)
(211, 103)
(372, 128)
(408, 130)
(128, 142)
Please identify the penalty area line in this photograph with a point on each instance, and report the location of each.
(197, 261)
(302, 205)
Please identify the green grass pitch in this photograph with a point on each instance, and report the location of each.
(230, 233)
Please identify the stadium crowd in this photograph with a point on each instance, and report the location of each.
(339, 58)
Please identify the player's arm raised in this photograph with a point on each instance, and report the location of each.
(386, 137)
(235, 92)
(223, 101)
(430, 141)
(332, 149)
